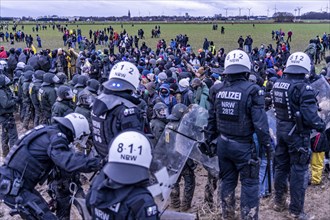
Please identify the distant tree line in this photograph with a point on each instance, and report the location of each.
(278, 17)
(316, 15)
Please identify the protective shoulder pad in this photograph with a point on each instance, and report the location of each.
(112, 101)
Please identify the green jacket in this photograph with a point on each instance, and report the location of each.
(201, 96)
(47, 97)
(61, 108)
(7, 102)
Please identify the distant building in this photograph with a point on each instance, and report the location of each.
(74, 18)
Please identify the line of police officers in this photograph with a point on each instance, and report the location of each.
(119, 190)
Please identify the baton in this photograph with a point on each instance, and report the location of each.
(269, 172)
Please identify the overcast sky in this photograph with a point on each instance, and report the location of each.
(35, 8)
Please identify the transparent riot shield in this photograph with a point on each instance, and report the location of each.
(172, 151)
(167, 164)
(272, 124)
(192, 125)
(322, 87)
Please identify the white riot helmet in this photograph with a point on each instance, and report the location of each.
(298, 63)
(77, 123)
(237, 61)
(123, 76)
(129, 158)
(20, 65)
(3, 65)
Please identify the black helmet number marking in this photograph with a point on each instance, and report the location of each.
(131, 148)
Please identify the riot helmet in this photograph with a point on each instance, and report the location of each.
(76, 123)
(4, 80)
(178, 111)
(93, 85)
(38, 75)
(28, 76)
(50, 78)
(123, 76)
(160, 110)
(298, 63)
(74, 79)
(3, 65)
(20, 65)
(62, 78)
(81, 81)
(28, 67)
(64, 93)
(85, 98)
(237, 61)
(129, 158)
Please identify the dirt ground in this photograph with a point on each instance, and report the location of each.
(317, 201)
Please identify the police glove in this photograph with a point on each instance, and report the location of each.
(95, 164)
(208, 148)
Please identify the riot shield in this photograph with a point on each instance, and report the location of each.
(172, 151)
(192, 125)
(322, 87)
(167, 164)
(272, 124)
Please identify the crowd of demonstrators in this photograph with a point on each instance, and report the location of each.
(145, 89)
(317, 47)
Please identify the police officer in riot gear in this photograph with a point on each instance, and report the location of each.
(32, 158)
(187, 173)
(7, 120)
(3, 67)
(81, 84)
(33, 91)
(119, 191)
(62, 79)
(28, 110)
(237, 113)
(158, 121)
(86, 99)
(296, 114)
(116, 109)
(47, 96)
(63, 105)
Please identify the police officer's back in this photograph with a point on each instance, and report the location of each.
(237, 113)
(33, 92)
(119, 191)
(47, 96)
(81, 84)
(35, 154)
(86, 99)
(296, 115)
(63, 105)
(116, 109)
(7, 108)
(27, 103)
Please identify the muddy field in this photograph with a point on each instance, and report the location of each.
(317, 202)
